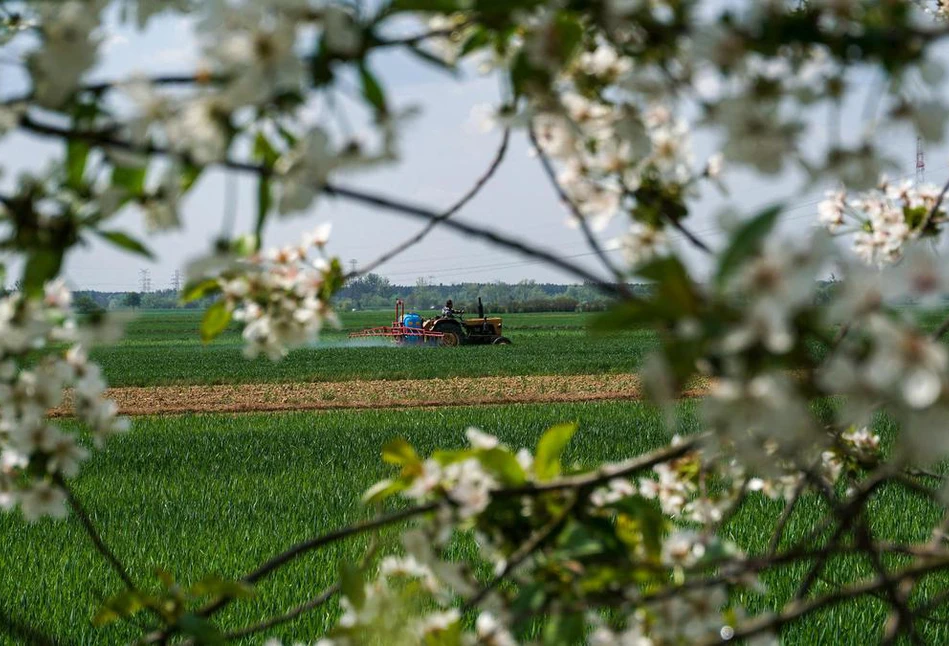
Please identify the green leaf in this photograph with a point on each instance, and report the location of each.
(444, 458)
(478, 39)
(245, 245)
(264, 151)
(352, 583)
(570, 32)
(383, 490)
(189, 175)
(642, 522)
(77, 153)
(202, 630)
(127, 242)
(433, 60)
(577, 541)
(399, 452)
(130, 178)
(215, 320)
(333, 280)
(564, 630)
(442, 6)
(264, 200)
(197, 290)
(167, 578)
(504, 465)
(675, 294)
(746, 242)
(121, 606)
(550, 449)
(371, 90)
(530, 599)
(41, 266)
(215, 586)
(450, 636)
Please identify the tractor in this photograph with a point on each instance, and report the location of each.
(443, 330)
(455, 330)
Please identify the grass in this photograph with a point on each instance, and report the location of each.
(163, 348)
(218, 494)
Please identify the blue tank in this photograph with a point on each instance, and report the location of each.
(412, 320)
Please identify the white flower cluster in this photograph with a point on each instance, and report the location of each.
(34, 452)
(279, 296)
(883, 220)
(467, 484)
(779, 283)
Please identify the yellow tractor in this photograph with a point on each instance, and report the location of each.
(456, 330)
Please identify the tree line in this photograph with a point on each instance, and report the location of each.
(372, 292)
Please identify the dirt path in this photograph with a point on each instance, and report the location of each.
(246, 398)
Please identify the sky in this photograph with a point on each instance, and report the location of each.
(443, 152)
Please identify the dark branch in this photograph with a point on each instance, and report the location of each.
(106, 140)
(290, 615)
(691, 237)
(24, 633)
(607, 472)
(335, 536)
(537, 540)
(93, 534)
(592, 242)
(457, 206)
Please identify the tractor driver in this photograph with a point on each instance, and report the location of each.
(449, 310)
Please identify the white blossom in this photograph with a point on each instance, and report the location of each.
(199, 130)
(42, 499)
(69, 49)
(341, 35)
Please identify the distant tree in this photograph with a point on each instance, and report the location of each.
(85, 304)
(132, 299)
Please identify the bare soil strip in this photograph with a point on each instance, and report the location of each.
(461, 391)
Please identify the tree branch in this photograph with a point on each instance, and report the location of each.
(290, 615)
(607, 472)
(799, 608)
(531, 545)
(457, 206)
(106, 140)
(335, 536)
(592, 242)
(93, 534)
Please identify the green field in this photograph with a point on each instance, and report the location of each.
(200, 494)
(163, 348)
(220, 493)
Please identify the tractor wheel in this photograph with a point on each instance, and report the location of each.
(452, 333)
(501, 340)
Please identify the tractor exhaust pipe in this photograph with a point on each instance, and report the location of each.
(480, 309)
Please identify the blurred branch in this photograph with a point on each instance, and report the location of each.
(592, 242)
(290, 615)
(691, 237)
(460, 204)
(531, 545)
(94, 535)
(335, 536)
(770, 622)
(24, 633)
(607, 472)
(106, 140)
